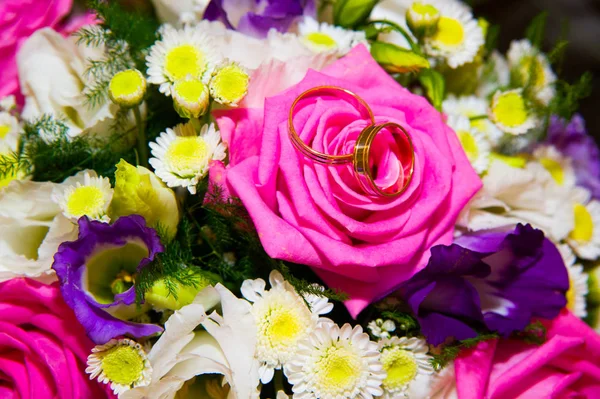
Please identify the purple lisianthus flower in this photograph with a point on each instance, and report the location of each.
(572, 140)
(257, 17)
(89, 267)
(493, 279)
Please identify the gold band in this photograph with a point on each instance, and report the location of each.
(311, 153)
(361, 155)
(362, 148)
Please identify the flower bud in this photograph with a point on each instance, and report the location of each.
(229, 83)
(351, 13)
(422, 19)
(190, 98)
(161, 297)
(127, 88)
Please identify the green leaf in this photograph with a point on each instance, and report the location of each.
(536, 30)
(435, 86)
(351, 13)
(396, 59)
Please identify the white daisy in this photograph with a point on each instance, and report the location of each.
(322, 37)
(585, 236)
(578, 283)
(474, 142)
(190, 97)
(404, 359)
(511, 113)
(229, 83)
(85, 194)
(458, 36)
(282, 319)
(380, 328)
(9, 132)
(181, 53)
(494, 74)
(181, 157)
(336, 363)
(476, 109)
(122, 363)
(524, 59)
(556, 164)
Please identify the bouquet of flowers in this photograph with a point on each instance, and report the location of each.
(292, 199)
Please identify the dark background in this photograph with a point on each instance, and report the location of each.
(583, 53)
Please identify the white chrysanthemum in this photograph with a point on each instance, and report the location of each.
(524, 59)
(511, 113)
(322, 37)
(403, 359)
(181, 157)
(476, 108)
(181, 53)
(336, 363)
(556, 164)
(9, 132)
(380, 328)
(585, 236)
(85, 194)
(474, 142)
(458, 36)
(578, 283)
(229, 83)
(282, 319)
(122, 363)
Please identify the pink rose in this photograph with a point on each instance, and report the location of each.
(567, 365)
(317, 215)
(43, 348)
(18, 20)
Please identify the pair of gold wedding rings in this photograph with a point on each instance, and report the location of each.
(360, 158)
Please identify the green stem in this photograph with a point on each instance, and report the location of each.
(142, 145)
(478, 117)
(414, 47)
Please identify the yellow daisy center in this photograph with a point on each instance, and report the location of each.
(190, 90)
(230, 83)
(584, 224)
(516, 161)
(187, 155)
(321, 40)
(400, 366)
(86, 200)
(184, 60)
(571, 295)
(122, 365)
(469, 144)
(339, 370)
(4, 130)
(127, 85)
(555, 169)
(450, 32)
(282, 326)
(509, 109)
(531, 64)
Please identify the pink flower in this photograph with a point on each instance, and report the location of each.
(567, 365)
(317, 215)
(18, 20)
(43, 348)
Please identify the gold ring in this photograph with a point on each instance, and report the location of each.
(311, 153)
(361, 156)
(362, 148)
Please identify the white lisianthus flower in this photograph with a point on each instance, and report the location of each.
(282, 320)
(226, 346)
(512, 195)
(178, 11)
(52, 75)
(336, 363)
(33, 227)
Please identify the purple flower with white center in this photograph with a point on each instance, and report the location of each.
(572, 140)
(257, 17)
(95, 274)
(494, 279)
